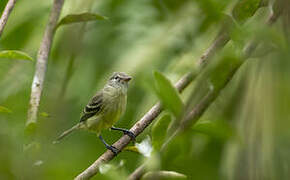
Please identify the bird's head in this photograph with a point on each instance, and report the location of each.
(120, 79)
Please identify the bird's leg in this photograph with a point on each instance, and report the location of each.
(112, 148)
(125, 131)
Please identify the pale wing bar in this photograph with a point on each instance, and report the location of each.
(93, 107)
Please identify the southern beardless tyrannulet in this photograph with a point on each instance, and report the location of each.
(105, 108)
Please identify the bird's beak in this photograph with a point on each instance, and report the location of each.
(127, 79)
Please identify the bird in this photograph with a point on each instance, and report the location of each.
(104, 109)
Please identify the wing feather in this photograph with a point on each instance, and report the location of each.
(93, 107)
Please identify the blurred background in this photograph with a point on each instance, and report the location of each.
(244, 134)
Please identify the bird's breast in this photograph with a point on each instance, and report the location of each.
(115, 107)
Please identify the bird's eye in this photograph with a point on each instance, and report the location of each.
(116, 77)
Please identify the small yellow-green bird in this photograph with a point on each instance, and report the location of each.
(105, 108)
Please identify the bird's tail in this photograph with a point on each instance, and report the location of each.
(67, 132)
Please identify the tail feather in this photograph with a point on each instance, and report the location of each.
(67, 132)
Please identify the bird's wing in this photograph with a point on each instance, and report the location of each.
(93, 107)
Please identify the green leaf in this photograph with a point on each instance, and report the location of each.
(163, 175)
(44, 114)
(159, 131)
(132, 149)
(217, 129)
(4, 110)
(14, 54)
(245, 9)
(168, 94)
(83, 17)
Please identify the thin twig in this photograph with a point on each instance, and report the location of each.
(193, 116)
(208, 99)
(220, 41)
(140, 126)
(5, 15)
(41, 64)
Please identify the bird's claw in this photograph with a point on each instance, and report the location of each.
(130, 134)
(126, 131)
(113, 149)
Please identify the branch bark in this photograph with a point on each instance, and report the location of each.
(5, 15)
(193, 116)
(208, 99)
(220, 41)
(41, 64)
(136, 129)
(139, 127)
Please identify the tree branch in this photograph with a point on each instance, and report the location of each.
(139, 127)
(220, 41)
(41, 64)
(208, 99)
(193, 116)
(5, 15)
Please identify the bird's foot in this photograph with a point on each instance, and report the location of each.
(126, 131)
(110, 147)
(113, 149)
(130, 134)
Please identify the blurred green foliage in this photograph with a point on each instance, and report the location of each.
(168, 94)
(159, 131)
(244, 134)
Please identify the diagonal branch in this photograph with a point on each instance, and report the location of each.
(5, 15)
(210, 97)
(136, 129)
(220, 41)
(146, 120)
(193, 116)
(41, 64)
